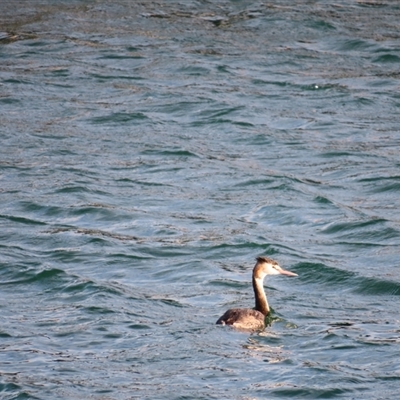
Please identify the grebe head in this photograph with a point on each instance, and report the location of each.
(266, 266)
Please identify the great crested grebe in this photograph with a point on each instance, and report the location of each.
(254, 319)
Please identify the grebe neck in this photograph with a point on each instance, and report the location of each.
(259, 294)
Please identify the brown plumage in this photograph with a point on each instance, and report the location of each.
(254, 319)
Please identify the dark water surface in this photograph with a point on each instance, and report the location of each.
(151, 150)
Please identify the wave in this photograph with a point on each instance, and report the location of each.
(339, 279)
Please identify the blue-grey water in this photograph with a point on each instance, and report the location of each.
(151, 150)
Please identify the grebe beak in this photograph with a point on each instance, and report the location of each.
(287, 273)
